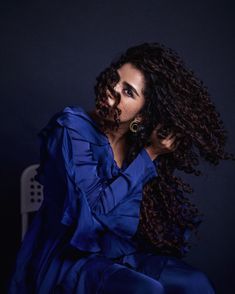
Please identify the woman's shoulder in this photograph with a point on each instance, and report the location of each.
(78, 122)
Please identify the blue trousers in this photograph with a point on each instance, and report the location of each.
(148, 274)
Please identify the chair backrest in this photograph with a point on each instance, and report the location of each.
(31, 195)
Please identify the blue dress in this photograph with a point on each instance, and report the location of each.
(81, 239)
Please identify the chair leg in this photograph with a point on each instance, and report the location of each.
(24, 225)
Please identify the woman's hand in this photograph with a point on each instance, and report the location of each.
(161, 146)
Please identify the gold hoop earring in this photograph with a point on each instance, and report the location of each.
(134, 126)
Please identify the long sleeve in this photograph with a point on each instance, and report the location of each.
(94, 205)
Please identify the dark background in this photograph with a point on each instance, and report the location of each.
(51, 53)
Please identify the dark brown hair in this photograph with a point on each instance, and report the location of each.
(178, 101)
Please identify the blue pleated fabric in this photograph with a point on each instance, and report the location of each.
(81, 239)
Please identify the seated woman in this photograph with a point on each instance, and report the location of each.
(115, 218)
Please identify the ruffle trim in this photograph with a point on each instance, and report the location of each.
(72, 117)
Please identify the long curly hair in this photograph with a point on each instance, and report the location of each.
(178, 101)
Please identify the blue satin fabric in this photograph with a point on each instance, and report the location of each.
(81, 239)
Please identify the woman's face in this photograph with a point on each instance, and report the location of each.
(130, 87)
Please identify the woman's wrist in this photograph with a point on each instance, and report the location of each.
(150, 152)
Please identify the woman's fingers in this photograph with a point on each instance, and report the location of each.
(171, 138)
(170, 143)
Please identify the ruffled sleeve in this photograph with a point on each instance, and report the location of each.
(92, 205)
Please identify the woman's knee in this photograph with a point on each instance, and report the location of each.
(151, 287)
(200, 281)
(194, 281)
(147, 285)
(180, 277)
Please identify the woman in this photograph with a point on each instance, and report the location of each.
(114, 218)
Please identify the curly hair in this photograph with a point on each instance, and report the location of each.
(177, 101)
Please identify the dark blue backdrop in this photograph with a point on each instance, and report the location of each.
(51, 53)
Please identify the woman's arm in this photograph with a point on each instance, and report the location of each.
(82, 170)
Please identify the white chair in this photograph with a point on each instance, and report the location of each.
(31, 196)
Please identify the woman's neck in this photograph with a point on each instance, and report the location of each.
(115, 137)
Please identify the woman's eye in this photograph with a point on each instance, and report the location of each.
(128, 91)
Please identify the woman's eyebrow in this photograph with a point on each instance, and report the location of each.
(133, 89)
